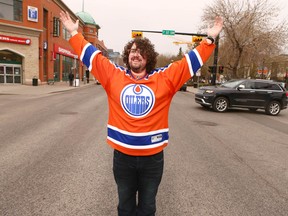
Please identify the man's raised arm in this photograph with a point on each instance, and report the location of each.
(71, 26)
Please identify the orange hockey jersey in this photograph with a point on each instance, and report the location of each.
(138, 109)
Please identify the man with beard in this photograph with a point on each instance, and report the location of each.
(139, 98)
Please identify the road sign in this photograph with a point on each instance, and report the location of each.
(262, 70)
(168, 32)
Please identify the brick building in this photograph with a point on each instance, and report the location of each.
(33, 42)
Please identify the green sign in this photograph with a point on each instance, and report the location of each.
(168, 32)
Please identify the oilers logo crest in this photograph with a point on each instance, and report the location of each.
(137, 100)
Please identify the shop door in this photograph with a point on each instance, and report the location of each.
(10, 73)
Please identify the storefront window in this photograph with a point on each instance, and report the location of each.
(45, 64)
(6, 56)
(57, 68)
(10, 73)
(11, 10)
(67, 64)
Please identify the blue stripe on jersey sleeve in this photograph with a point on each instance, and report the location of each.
(195, 63)
(138, 140)
(87, 55)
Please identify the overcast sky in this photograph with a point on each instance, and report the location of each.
(117, 18)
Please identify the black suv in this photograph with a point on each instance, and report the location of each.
(245, 93)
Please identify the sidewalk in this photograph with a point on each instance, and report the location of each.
(18, 89)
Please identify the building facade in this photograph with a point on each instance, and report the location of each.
(34, 44)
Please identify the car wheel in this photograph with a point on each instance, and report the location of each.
(273, 108)
(220, 104)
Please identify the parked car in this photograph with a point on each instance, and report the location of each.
(183, 87)
(244, 93)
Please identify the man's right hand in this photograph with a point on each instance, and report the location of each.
(68, 23)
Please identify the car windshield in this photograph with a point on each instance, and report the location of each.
(232, 83)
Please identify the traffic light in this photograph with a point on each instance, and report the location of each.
(197, 39)
(211, 69)
(137, 34)
(220, 69)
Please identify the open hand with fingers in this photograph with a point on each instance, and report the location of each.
(216, 29)
(68, 23)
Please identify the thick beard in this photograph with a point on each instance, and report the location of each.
(136, 69)
(139, 68)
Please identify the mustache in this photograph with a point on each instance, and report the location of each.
(135, 58)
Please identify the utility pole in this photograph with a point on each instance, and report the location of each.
(214, 68)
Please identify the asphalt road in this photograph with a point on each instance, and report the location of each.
(54, 160)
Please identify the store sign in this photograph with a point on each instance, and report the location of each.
(64, 51)
(17, 40)
(32, 14)
(45, 45)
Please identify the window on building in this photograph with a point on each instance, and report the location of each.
(67, 64)
(56, 27)
(11, 10)
(8, 57)
(57, 67)
(66, 34)
(45, 18)
(45, 65)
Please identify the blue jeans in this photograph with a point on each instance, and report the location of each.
(140, 174)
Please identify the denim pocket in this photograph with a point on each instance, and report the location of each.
(117, 154)
(159, 157)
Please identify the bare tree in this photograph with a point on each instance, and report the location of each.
(251, 33)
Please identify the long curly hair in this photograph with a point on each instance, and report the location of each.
(147, 51)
